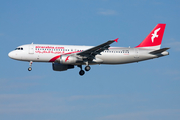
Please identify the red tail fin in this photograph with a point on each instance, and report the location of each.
(153, 40)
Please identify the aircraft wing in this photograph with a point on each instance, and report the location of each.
(92, 52)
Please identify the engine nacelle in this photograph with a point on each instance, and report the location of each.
(65, 59)
(61, 67)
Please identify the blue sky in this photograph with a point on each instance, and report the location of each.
(138, 91)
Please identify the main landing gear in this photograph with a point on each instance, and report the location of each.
(87, 68)
(82, 72)
(30, 64)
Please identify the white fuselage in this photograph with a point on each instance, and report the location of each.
(52, 53)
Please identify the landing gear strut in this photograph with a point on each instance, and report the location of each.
(30, 64)
(81, 72)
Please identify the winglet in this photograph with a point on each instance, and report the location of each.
(116, 40)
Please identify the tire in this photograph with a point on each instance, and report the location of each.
(87, 68)
(29, 69)
(81, 72)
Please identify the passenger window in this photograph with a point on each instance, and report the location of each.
(21, 48)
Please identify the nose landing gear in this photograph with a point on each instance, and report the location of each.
(30, 64)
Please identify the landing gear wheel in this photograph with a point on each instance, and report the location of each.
(81, 72)
(87, 68)
(29, 69)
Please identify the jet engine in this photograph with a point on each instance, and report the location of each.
(65, 59)
(61, 67)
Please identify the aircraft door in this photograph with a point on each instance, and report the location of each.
(136, 53)
(31, 49)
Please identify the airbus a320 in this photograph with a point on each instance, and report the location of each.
(64, 57)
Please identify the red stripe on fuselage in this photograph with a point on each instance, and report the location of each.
(56, 57)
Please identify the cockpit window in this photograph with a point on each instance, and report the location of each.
(19, 48)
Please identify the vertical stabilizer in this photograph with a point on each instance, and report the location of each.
(153, 40)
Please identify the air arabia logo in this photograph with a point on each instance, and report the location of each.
(67, 59)
(155, 34)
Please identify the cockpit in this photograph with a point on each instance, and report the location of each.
(19, 48)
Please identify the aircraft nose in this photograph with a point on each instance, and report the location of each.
(15, 55)
(10, 54)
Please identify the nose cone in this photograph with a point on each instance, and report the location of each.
(10, 54)
(15, 55)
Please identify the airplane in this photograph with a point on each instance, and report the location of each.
(64, 57)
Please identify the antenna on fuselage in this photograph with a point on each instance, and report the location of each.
(32, 43)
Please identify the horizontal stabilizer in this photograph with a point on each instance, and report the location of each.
(159, 51)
